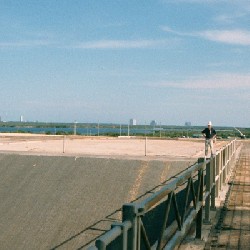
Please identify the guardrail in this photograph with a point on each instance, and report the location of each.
(162, 220)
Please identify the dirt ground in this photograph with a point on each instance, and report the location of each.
(103, 146)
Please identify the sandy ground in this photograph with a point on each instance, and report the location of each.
(103, 146)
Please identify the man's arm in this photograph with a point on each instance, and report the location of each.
(214, 136)
(203, 132)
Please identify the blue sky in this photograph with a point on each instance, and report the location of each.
(108, 61)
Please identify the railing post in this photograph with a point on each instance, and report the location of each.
(213, 190)
(217, 173)
(200, 199)
(226, 165)
(221, 167)
(129, 212)
(208, 190)
(124, 227)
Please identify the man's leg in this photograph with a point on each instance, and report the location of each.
(211, 147)
(206, 147)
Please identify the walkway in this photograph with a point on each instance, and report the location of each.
(232, 230)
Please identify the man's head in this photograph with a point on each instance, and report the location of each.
(209, 124)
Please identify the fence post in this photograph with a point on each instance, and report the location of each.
(217, 174)
(200, 199)
(224, 172)
(208, 190)
(224, 164)
(129, 213)
(213, 190)
(221, 167)
(124, 227)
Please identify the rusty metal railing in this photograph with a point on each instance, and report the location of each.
(163, 219)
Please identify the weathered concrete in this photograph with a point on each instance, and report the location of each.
(65, 202)
(55, 200)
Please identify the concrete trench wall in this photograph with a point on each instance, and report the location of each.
(56, 202)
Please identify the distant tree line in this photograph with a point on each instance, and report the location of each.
(162, 131)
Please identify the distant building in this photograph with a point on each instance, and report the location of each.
(21, 118)
(188, 124)
(132, 122)
(153, 123)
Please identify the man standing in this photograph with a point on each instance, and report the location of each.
(210, 134)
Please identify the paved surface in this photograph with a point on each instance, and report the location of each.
(232, 230)
(55, 200)
(64, 202)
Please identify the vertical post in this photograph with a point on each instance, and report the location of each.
(208, 190)
(224, 172)
(64, 144)
(200, 199)
(138, 246)
(229, 158)
(75, 128)
(213, 190)
(124, 227)
(221, 168)
(129, 212)
(146, 146)
(217, 173)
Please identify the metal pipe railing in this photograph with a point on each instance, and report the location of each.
(199, 183)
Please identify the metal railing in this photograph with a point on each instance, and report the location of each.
(162, 220)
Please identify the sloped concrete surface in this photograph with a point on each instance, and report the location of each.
(52, 202)
(64, 200)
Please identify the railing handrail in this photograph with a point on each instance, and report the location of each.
(216, 169)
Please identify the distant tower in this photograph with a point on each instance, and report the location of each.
(75, 127)
(153, 123)
(21, 118)
(132, 122)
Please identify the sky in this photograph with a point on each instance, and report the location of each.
(108, 61)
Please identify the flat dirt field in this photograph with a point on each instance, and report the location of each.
(63, 192)
(103, 146)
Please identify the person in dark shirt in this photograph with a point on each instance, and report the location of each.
(210, 134)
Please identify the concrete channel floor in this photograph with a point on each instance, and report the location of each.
(55, 200)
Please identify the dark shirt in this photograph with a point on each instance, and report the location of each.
(210, 133)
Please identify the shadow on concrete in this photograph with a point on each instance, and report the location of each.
(156, 213)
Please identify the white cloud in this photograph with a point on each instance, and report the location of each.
(179, 33)
(231, 18)
(121, 44)
(216, 81)
(25, 44)
(240, 37)
(233, 36)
